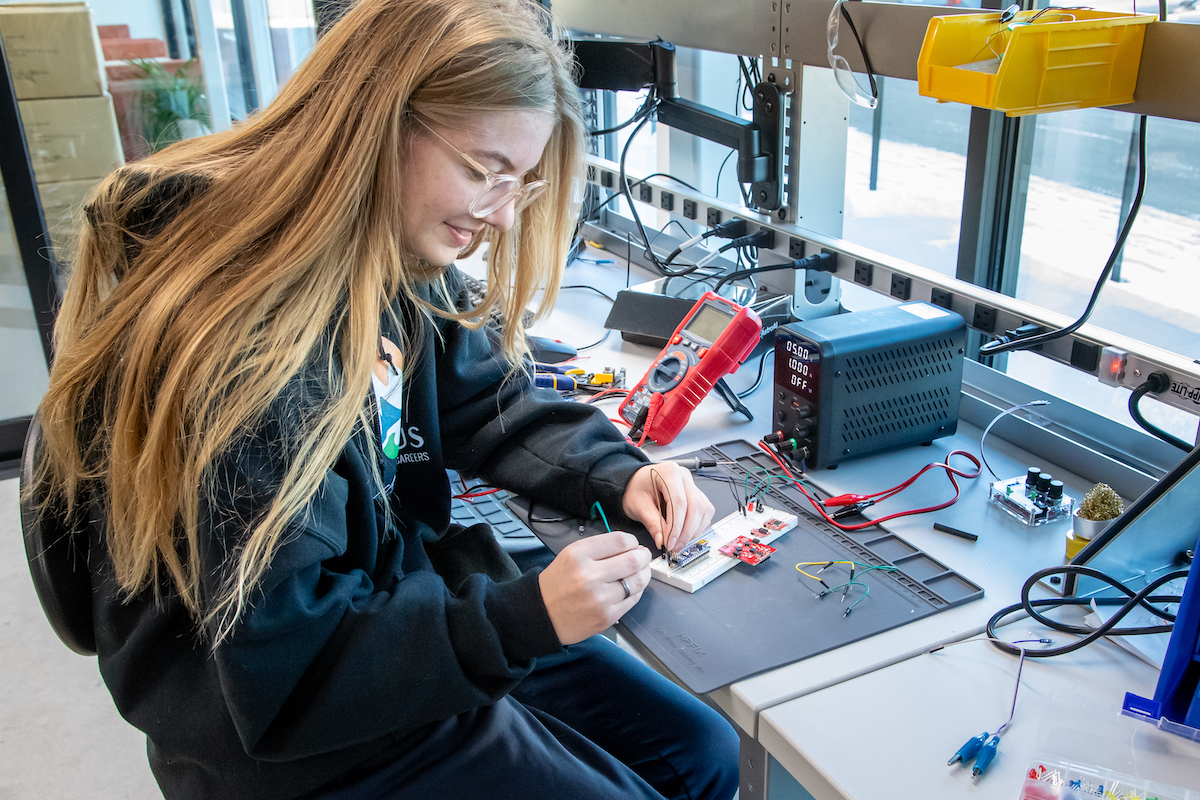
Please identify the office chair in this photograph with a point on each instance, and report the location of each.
(57, 559)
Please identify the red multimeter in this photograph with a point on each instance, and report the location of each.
(711, 342)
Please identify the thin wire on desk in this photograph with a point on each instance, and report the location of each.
(607, 394)
(770, 351)
(1020, 668)
(607, 297)
(875, 497)
(596, 343)
(995, 419)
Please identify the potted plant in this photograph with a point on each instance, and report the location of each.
(172, 103)
(1099, 507)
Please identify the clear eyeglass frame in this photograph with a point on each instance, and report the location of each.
(499, 188)
(846, 80)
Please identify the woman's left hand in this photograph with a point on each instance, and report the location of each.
(665, 499)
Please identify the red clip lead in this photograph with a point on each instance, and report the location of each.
(845, 500)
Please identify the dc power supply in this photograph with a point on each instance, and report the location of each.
(856, 383)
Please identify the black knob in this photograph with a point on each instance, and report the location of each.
(1031, 476)
(1043, 481)
(1056, 490)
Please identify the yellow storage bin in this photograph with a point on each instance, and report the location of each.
(1049, 60)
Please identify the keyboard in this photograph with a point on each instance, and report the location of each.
(512, 534)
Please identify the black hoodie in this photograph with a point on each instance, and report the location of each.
(352, 639)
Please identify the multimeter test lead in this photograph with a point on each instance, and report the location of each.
(695, 464)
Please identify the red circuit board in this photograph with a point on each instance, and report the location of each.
(748, 550)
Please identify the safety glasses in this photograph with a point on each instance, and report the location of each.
(499, 189)
(846, 81)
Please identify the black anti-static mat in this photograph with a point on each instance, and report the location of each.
(753, 619)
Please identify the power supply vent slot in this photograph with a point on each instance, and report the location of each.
(917, 410)
(886, 368)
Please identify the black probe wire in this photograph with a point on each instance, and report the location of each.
(1156, 386)
(607, 297)
(1131, 601)
(770, 351)
(1004, 343)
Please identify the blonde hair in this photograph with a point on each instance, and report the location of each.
(172, 344)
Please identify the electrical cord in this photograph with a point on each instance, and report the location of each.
(733, 229)
(997, 418)
(980, 748)
(637, 220)
(1132, 600)
(1156, 383)
(822, 262)
(637, 115)
(1005, 344)
(590, 289)
(770, 351)
(853, 504)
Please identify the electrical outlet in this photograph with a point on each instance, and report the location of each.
(901, 286)
(795, 247)
(940, 297)
(646, 193)
(985, 318)
(864, 273)
(714, 217)
(690, 209)
(606, 179)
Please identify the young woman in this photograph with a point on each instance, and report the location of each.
(265, 364)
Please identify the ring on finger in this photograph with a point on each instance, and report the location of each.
(625, 586)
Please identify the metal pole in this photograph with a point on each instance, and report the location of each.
(1127, 193)
(876, 134)
(29, 224)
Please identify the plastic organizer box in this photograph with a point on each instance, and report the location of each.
(1052, 60)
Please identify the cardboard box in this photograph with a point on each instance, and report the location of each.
(53, 50)
(71, 139)
(62, 204)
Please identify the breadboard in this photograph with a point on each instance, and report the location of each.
(691, 577)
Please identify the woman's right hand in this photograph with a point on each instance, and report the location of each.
(582, 587)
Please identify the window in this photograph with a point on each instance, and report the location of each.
(906, 162)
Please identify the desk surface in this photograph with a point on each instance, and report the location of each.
(1005, 555)
(788, 699)
(1067, 707)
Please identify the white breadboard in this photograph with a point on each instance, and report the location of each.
(692, 576)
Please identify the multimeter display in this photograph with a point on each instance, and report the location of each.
(709, 323)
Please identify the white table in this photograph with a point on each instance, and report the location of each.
(889, 733)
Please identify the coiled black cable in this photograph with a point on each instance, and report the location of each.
(1132, 600)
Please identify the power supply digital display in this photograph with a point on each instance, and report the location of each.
(800, 367)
